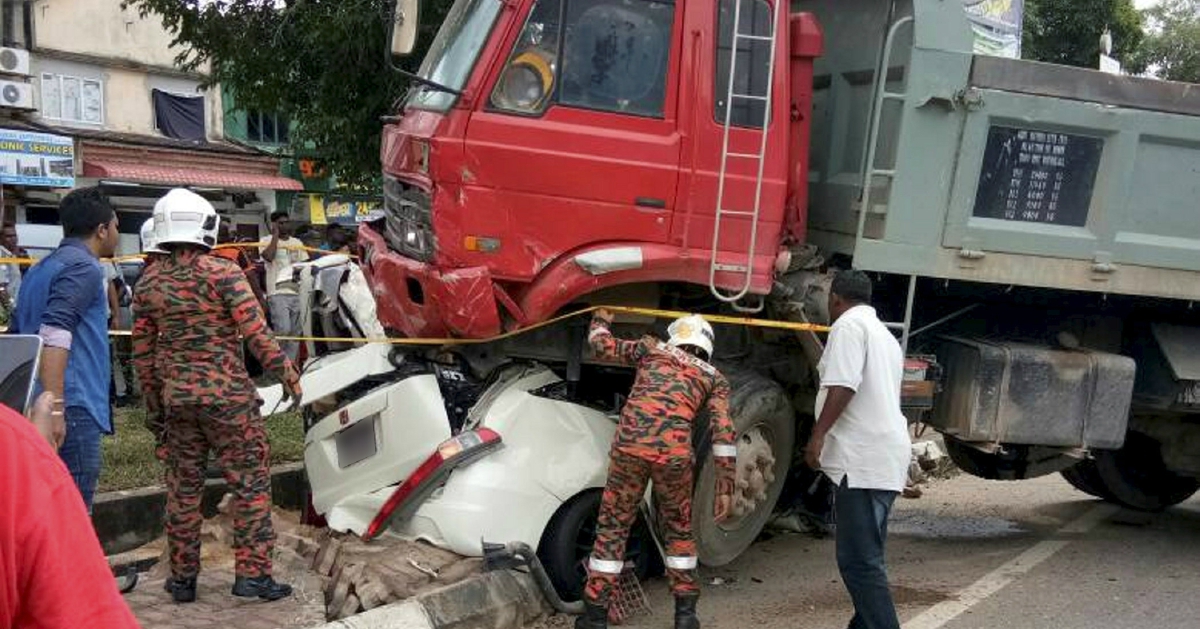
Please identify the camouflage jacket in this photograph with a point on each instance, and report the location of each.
(670, 388)
(191, 313)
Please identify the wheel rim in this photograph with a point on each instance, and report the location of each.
(586, 539)
(755, 475)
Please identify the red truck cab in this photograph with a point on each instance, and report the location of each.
(584, 147)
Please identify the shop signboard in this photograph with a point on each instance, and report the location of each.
(36, 159)
(323, 210)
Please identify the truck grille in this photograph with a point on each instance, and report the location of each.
(409, 219)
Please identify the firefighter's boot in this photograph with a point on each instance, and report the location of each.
(181, 590)
(685, 612)
(264, 587)
(594, 617)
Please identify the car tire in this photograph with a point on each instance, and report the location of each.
(760, 410)
(567, 542)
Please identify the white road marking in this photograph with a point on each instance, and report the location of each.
(937, 616)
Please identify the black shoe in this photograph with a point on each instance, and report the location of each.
(127, 581)
(264, 587)
(594, 617)
(182, 590)
(685, 612)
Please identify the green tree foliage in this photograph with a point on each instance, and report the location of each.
(1172, 46)
(322, 63)
(1068, 32)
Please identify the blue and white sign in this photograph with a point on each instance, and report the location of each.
(37, 159)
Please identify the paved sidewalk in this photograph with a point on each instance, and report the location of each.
(215, 606)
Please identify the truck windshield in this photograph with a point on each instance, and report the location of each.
(454, 51)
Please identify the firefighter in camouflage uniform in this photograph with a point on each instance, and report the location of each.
(654, 443)
(191, 308)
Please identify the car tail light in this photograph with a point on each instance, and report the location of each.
(452, 454)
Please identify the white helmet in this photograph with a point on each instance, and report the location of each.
(183, 217)
(149, 241)
(692, 330)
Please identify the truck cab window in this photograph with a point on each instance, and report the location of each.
(609, 55)
(753, 62)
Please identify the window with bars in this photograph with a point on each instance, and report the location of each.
(266, 128)
(72, 99)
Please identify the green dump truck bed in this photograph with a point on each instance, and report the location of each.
(997, 170)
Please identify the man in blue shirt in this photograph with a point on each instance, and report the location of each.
(64, 300)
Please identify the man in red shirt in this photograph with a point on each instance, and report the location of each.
(47, 545)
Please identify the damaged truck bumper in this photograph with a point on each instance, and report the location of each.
(421, 301)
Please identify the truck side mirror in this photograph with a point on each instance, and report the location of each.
(403, 26)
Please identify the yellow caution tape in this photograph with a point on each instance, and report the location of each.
(652, 312)
(142, 256)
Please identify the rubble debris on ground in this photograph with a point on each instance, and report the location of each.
(340, 574)
(929, 462)
(360, 575)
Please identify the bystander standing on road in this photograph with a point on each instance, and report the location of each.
(280, 252)
(192, 309)
(861, 442)
(64, 300)
(120, 296)
(10, 272)
(240, 256)
(337, 239)
(53, 574)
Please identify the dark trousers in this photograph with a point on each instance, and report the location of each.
(862, 516)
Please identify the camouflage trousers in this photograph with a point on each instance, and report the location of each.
(627, 477)
(237, 434)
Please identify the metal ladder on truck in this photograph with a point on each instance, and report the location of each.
(743, 268)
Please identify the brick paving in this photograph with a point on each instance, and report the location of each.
(216, 607)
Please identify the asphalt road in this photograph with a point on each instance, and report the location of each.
(975, 554)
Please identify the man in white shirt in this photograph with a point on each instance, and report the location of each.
(280, 252)
(861, 443)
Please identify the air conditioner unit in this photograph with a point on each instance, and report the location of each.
(16, 95)
(14, 61)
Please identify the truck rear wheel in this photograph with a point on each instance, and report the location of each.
(766, 429)
(1137, 477)
(1084, 477)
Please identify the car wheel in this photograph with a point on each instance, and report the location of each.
(1084, 477)
(568, 539)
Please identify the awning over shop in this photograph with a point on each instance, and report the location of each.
(185, 176)
(164, 161)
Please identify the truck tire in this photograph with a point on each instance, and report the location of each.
(766, 430)
(1086, 478)
(1137, 477)
(567, 543)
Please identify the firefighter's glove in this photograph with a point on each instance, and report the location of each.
(723, 503)
(292, 390)
(156, 423)
(726, 468)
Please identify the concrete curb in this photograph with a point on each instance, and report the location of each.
(125, 520)
(504, 599)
